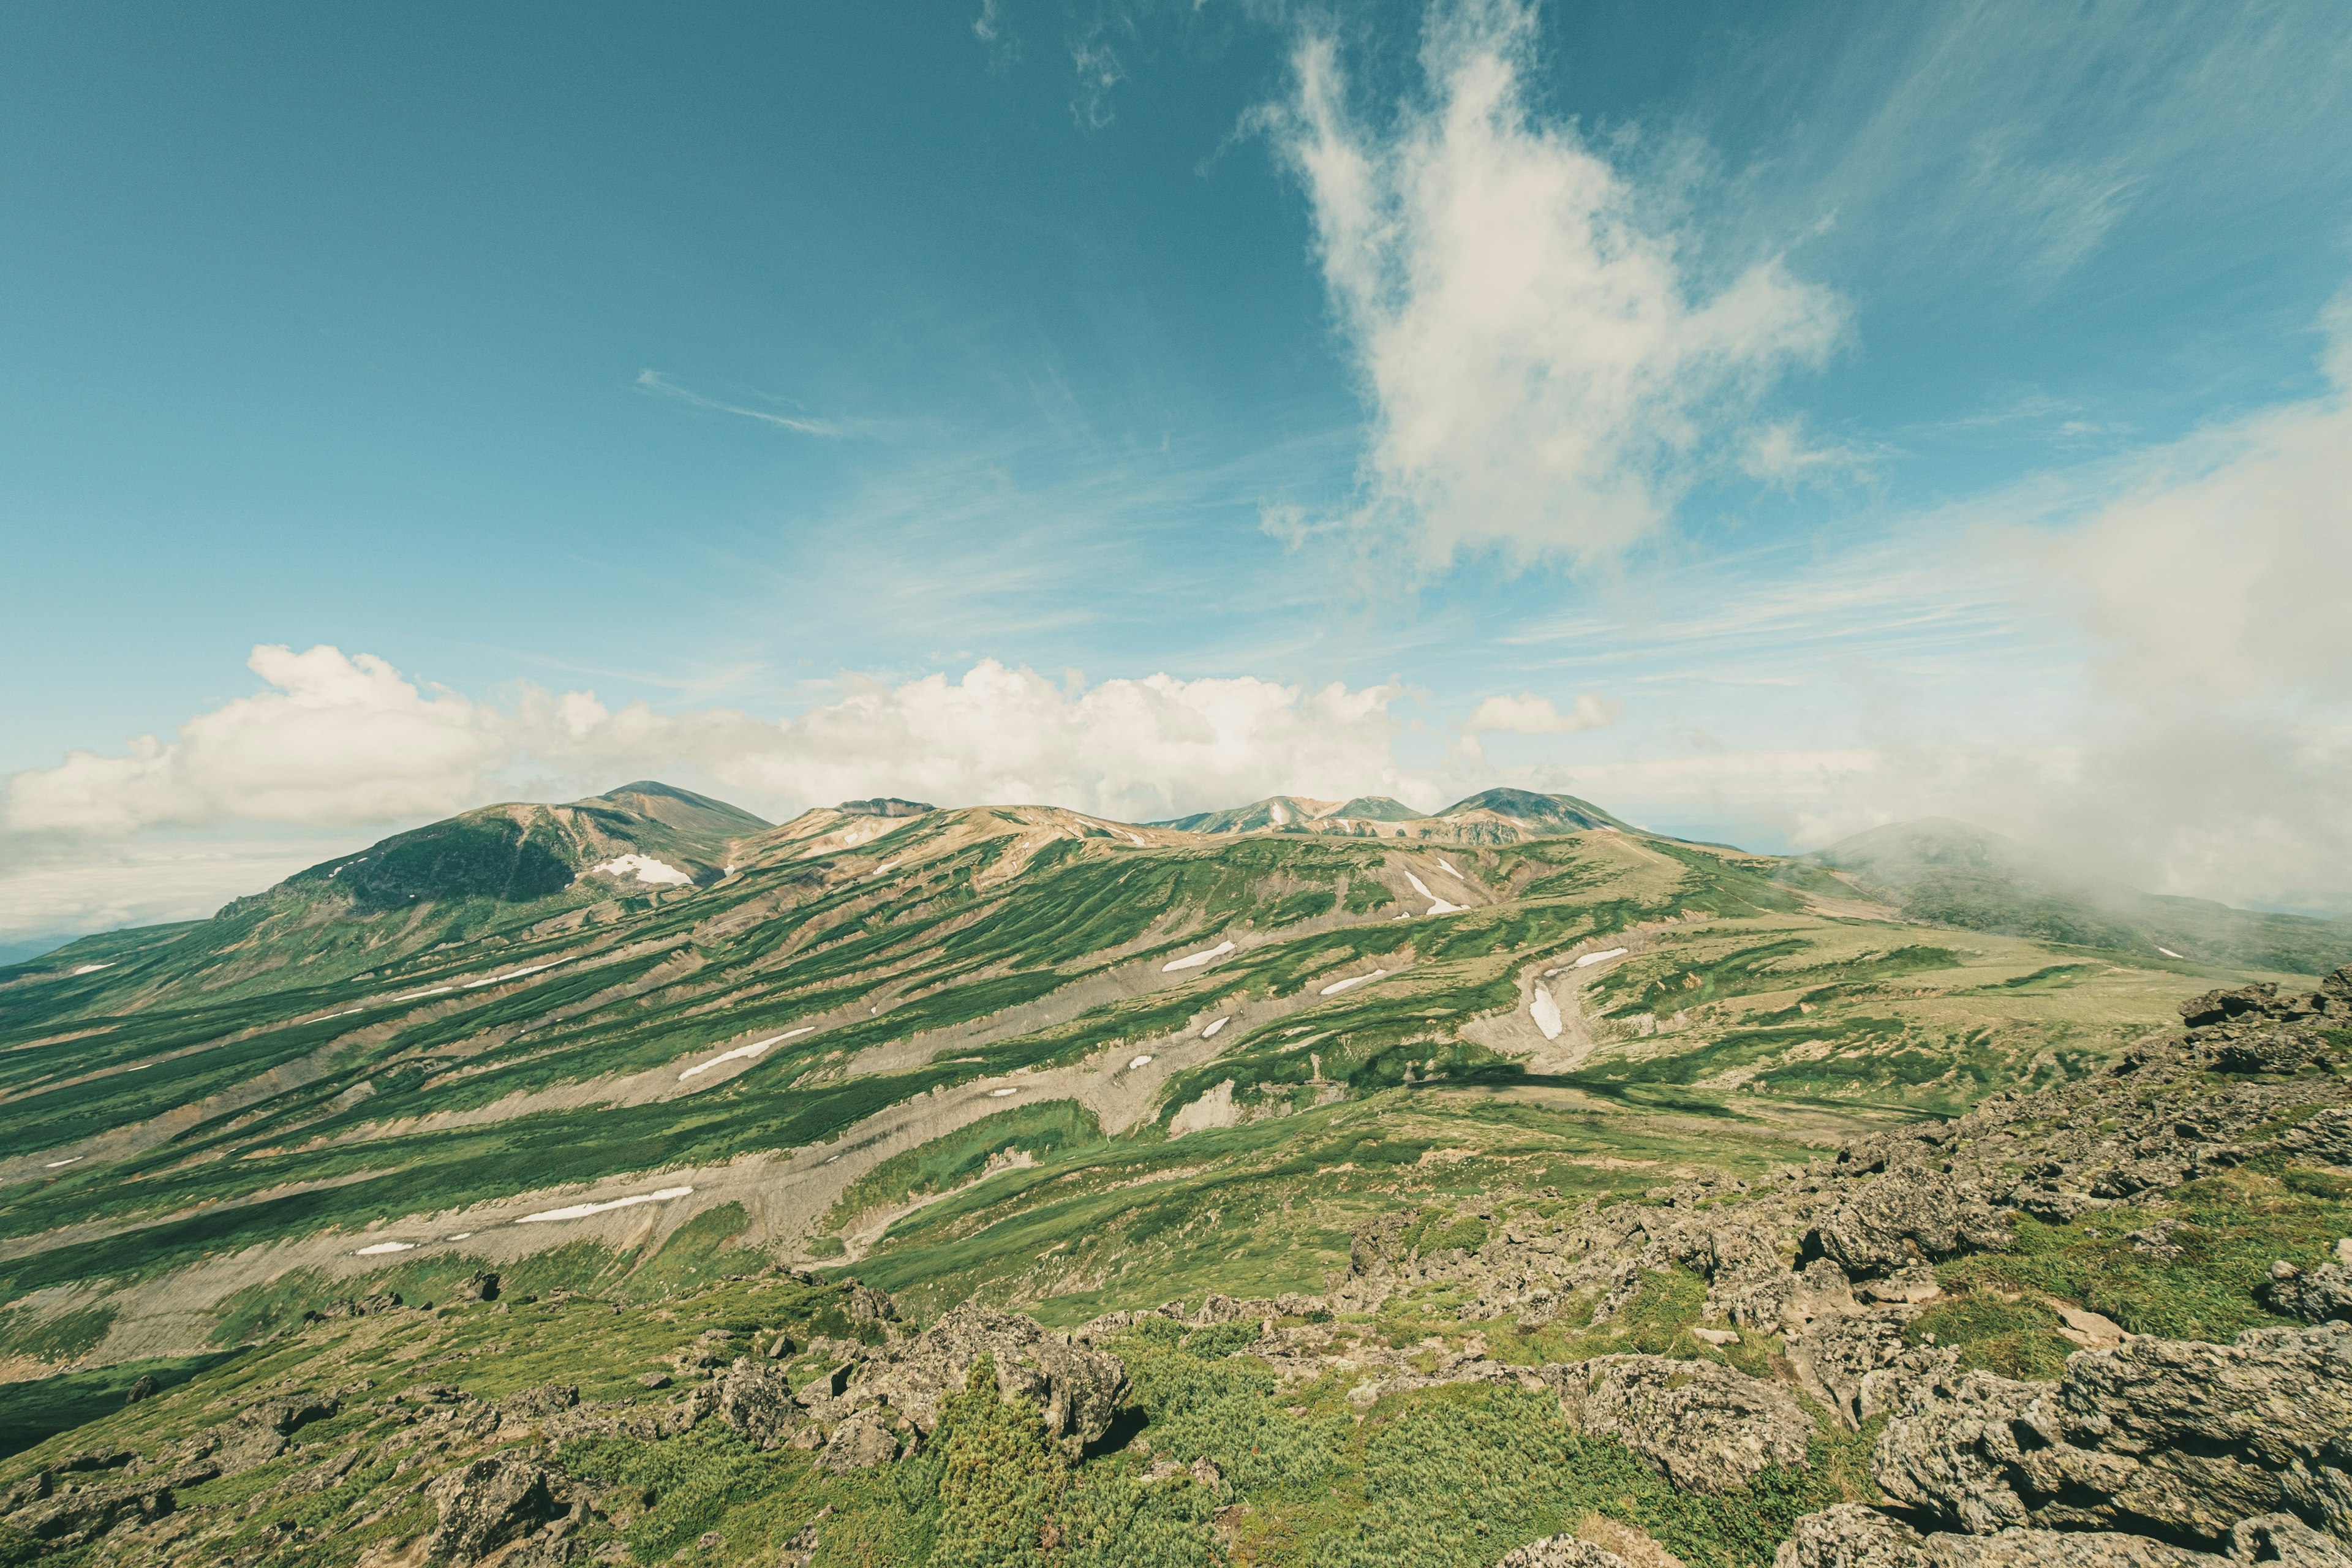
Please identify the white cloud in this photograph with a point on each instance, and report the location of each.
(1529, 714)
(348, 741)
(341, 739)
(1545, 373)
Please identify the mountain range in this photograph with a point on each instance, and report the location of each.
(849, 1079)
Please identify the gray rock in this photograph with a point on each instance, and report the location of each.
(2318, 1296)
(2174, 1437)
(2284, 1539)
(1074, 1387)
(487, 1504)
(755, 1400)
(1560, 1552)
(546, 1399)
(1851, 1536)
(1908, 1214)
(79, 1514)
(860, 1443)
(1709, 1428)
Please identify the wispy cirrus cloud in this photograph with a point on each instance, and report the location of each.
(661, 385)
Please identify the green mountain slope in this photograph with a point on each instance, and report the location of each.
(1957, 874)
(486, 879)
(949, 1044)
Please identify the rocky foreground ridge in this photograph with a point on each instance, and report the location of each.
(2144, 1452)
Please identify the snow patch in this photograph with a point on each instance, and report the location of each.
(1002, 1093)
(513, 975)
(645, 868)
(381, 1247)
(69, 1160)
(581, 1211)
(1546, 1014)
(1136, 840)
(885, 866)
(1139, 1062)
(1194, 960)
(1210, 1033)
(1450, 870)
(1338, 985)
(1437, 906)
(413, 995)
(743, 1053)
(1587, 960)
(2168, 951)
(94, 968)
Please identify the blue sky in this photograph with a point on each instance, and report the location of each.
(1819, 414)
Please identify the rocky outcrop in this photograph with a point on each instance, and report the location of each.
(2317, 1295)
(74, 1515)
(1560, 1552)
(2179, 1439)
(1709, 1428)
(487, 1504)
(1077, 1389)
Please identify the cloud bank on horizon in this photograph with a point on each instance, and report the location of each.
(1943, 414)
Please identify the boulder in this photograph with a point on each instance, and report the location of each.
(546, 1399)
(487, 1504)
(1074, 1387)
(146, 1387)
(1560, 1552)
(860, 1443)
(2173, 1438)
(1710, 1427)
(76, 1515)
(2316, 1296)
(1908, 1214)
(756, 1401)
(2282, 1538)
(1852, 1536)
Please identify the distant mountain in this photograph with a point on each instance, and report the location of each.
(1491, 817)
(498, 873)
(1961, 874)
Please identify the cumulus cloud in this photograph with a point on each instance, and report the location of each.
(337, 739)
(347, 739)
(1528, 714)
(1546, 372)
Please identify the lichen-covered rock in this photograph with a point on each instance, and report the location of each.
(860, 1443)
(1076, 1387)
(1709, 1428)
(755, 1401)
(487, 1504)
(2316, 1296)
(2283, 1539)
(1852, 1536)
(1560, 1552)
(2174, 1437)
(546, 1399)
(76, 1515)
(1908, 1214)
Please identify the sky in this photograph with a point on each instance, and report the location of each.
(1765, 421)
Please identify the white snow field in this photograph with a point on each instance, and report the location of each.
(581, 1211)
(1210, 1031)
(1546, 1014)
(1338, 985)
(742, 1053)
(1194, 960)
(645, 868)
(381, 1247)
(1587, 960)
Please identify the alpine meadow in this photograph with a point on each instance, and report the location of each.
(1426, 783)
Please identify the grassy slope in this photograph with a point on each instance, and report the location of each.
(1789, 1016)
